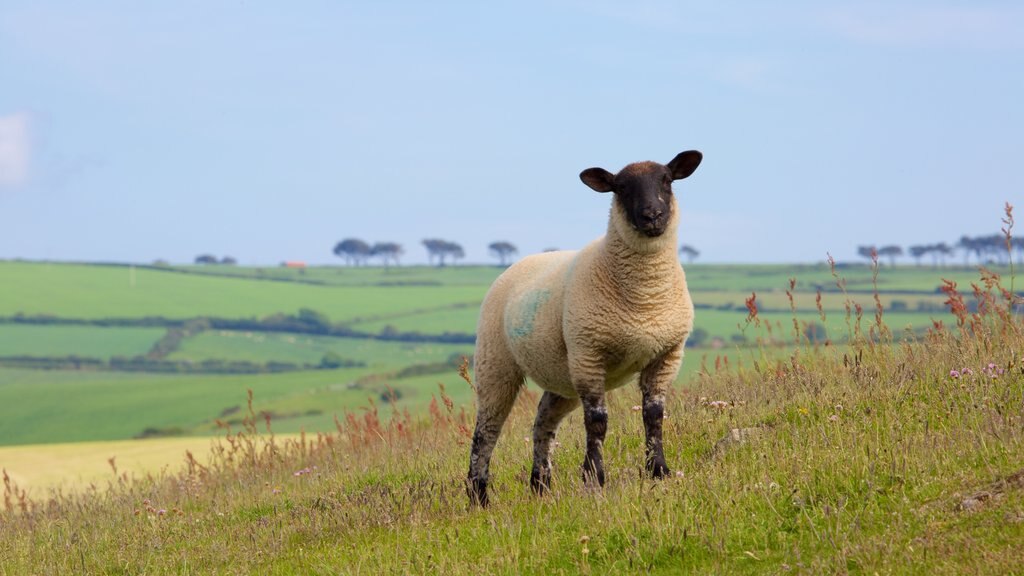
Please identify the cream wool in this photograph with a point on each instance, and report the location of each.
(581, 323)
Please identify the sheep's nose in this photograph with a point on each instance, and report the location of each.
(651, 214)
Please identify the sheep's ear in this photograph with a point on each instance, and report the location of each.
(599, 179)
(684, 164)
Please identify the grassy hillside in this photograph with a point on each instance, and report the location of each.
(872, 458)
(61, 405)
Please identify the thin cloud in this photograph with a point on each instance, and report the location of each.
(15, 149)
(930, 26)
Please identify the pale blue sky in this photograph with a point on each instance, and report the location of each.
(131, 131)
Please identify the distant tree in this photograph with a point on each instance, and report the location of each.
(439, 250)
(967, 245)
(434, 251)
(502, 251)
(940, 252)
(228, 261)
(387, 252)
(353, 250)
(551, 249)
(917, 252)
(869, 252)
(455, 251)
(206, 259)
(690, 252)
(891, 252)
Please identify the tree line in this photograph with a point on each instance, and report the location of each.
(990, 248)
(356, 252)
(440, 252)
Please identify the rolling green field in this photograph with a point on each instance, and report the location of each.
(65, 405)
(858, 456)
(80, 291)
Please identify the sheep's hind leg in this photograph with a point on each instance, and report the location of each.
(496, 393)
(550, 412)
(595, 419)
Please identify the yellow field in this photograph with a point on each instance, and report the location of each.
(74, 466)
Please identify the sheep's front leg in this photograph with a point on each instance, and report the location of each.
(595, 418)
(588, 378)
(552, 409)
(654, 380)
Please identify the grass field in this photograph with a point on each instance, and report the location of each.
(79, 291)
(303, 348)
(870, 459)
(87, 341)
(864, 457)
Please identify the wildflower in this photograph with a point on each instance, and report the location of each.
(302, 472)
(954, 374)
(803, 410)
(720, 404)
(833, 418)
(967, 372)
(680, 474)
(637, 408)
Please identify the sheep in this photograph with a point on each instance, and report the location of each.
(581, 323)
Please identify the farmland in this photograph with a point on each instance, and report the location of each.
(390, 321)
(871, 442)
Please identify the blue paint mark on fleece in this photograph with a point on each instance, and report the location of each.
(526, 313)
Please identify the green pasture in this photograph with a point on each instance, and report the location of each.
(428, 321)
(39, 406)
(84, 341)
(749, 277)
(306, 349)
(81, 291)
(52, 406)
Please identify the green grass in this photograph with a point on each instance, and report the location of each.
(858, 467)
(87, 341)
(862, 461)
(303, 348)
(462, 320)
(79, 291)
(39, 406)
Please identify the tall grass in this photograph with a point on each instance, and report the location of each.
(877, 456)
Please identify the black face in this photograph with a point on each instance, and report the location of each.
(646, 196)
(644, 189)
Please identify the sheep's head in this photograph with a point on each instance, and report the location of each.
(644, 190)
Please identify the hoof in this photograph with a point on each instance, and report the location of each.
(540, 481)
(658, 470)
(593, 478)
(476, 488)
